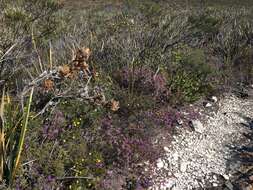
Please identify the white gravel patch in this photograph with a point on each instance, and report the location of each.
(195, 159)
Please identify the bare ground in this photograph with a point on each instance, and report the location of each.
(202, 159)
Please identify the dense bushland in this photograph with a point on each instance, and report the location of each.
(106, 82)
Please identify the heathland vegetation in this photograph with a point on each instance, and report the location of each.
(88, 87)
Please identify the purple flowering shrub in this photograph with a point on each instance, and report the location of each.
(113, 147)
(127, 141)
(130, 149)
(131, 146)
(52, 128)
(165, 117)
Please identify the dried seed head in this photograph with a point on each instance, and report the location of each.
(82, 54)
(64, 70)
(86, 53)
(95, 74)
(84, 66)
(48, 84)
(73, 74)
(114, 105)
(79, 55)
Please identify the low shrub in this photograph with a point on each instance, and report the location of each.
(190, 78)
(142, 80)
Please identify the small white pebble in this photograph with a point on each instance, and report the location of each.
(208, 105)
(214, 99)
(226, 177)
(160, 163)
(183, 167)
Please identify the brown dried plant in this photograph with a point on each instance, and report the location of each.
(78, 65)
(78, 69)
(64, 71)
(48, 84)
(113, 105)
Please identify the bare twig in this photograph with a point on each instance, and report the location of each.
(31, 161)
(50, 103)
(156, 73)
(50, 56)
(37, 52)
(51, 153)
(36, 82)
(9, 50)
(73, 177)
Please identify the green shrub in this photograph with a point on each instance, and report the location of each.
(189, 80)
(61, 154)
(21, 17)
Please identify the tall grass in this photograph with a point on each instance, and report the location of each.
(12, 139)
(2, 140)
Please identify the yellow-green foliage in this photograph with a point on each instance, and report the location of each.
(19, 17)
(16, 14)
(12, 138)
(189, 81)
